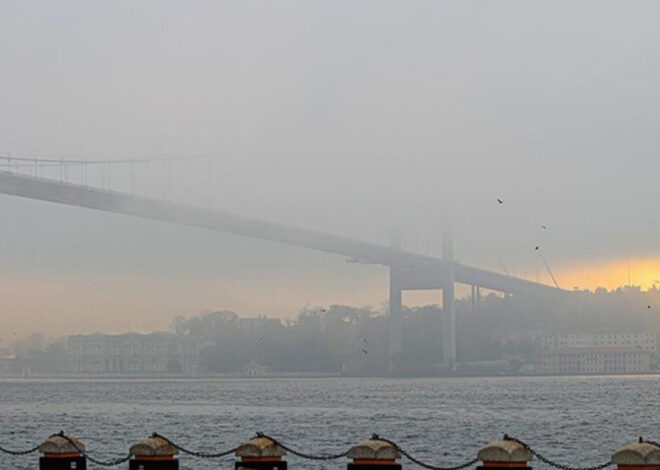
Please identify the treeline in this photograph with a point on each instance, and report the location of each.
(353, 341)
(319, 340)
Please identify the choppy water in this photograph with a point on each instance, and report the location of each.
(577, 420)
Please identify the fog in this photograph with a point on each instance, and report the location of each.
(355, 118)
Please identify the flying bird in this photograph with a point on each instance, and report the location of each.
(648, 306)
(500, 201)
(537, 248)
(544, 227)
(365, 351)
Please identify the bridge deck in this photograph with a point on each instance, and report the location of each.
(418, 271)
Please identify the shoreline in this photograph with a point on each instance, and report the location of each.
(164, 377)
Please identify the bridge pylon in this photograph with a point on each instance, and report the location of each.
(394, 318)
(448, 304)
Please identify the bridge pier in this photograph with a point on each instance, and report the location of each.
(395, 317)
(448, 305)
(475, 297)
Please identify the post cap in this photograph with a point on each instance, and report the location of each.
(504, 450)
(374, 449)
(637, 453)
(259, 446)
(61, 444)
(154, 446)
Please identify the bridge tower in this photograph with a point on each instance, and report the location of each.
(395, 317)
(448, 304)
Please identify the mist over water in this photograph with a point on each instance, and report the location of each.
(349, 118)
(574, 420)
(528, 130)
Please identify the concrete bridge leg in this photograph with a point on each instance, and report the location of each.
(448, 306)
(448, 327)
(476, 298)
(395, 318)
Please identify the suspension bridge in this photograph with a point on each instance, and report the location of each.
(130, 187)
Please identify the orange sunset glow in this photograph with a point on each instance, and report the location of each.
(643, 272)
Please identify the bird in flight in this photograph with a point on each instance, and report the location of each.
(544, 227)
(648, 306)
(537, 248)
(500, 201)
(365, 351)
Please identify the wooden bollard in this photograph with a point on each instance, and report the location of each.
(60, 453)
(504, 454)
(639, 455)
(374, 454)
(154, 453)
(260, 453)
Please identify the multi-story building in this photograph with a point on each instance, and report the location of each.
(644, 341)
(608, 360)
(133, 353)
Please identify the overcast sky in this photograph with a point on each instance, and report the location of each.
(351, 117)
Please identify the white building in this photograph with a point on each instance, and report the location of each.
(642, 341)
(610, 360)
(133, 353)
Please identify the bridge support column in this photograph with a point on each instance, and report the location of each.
(448, 306)
(476, 298)
(395, 318)
(448, 327)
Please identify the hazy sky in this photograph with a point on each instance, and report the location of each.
(352, 117)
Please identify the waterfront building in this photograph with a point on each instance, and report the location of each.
(133, 353)
(607, 360)
(644, 341)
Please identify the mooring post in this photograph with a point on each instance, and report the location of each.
(504, 454)
(260, 453)
(154, 453)
(62, 452)
(374, 454)
(640, 455)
